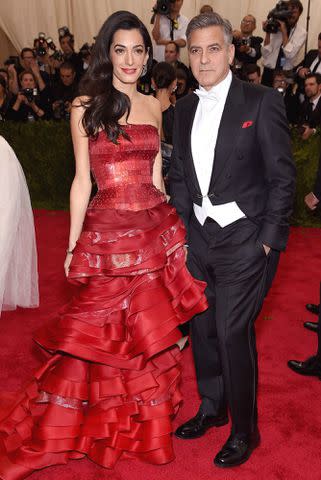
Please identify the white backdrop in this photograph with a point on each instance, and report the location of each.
(21, 20)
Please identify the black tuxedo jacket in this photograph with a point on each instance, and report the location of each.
(306, 63)
(311, 118)
(253, 163)
(308, 59)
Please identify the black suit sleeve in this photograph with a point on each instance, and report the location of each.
(317, 183)
(256, 44)
(179, 194)
(275, 144)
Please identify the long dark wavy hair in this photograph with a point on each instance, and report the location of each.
(105, 104)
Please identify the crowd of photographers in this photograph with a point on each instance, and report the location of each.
(42, 82)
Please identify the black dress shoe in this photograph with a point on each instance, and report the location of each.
(198, 425)
(237, 450)
(313, 326)
(310, 367)
(311, 307)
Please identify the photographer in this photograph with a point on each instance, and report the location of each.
(172, 51)
(281, 48)
(310, 64)
(252, 73)
(168, 26)
(29, 104)
(284, 86)
(310, 115)
(65, 92)
(66, 41)
(247, 46)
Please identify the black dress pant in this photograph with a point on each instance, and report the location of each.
(234, 264)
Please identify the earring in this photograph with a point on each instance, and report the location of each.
(144, 71)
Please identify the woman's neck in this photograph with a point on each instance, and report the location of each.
(130, 89)
(163, 96)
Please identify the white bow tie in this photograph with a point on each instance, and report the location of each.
(208, 97)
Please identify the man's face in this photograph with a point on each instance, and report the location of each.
(279, 82)
(209, 55)
(248, 25)
(67, 76)
(171, 54)
(27, 60)
(176, 6)
(295, 15)
(65, 45)
(311, 87)
(254, 78)
(319, 48)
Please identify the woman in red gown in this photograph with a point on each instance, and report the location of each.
(110, 387)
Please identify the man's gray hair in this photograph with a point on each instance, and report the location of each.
(210, 19)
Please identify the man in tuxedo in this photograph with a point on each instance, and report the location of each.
(232, 183)
(310, 64)
(312, 201)
(310, 111)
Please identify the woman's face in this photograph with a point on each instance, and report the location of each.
(27, 81)
(128, 56)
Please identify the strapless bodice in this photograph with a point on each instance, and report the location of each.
(123, 171)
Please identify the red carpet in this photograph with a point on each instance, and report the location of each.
(289, 405)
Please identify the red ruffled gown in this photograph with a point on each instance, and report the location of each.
(110, 387)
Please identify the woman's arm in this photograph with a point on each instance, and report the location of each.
(158, 180)
(81, 185)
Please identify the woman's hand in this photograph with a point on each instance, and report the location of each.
(67, 263)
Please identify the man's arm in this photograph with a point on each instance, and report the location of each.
(179, 194)
(275, 144)
(294, 43)
(313, 198)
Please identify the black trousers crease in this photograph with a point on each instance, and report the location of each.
(234, 264)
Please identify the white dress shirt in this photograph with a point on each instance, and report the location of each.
(203, 142)
(315, 102)
(291, 50)
(165, 33)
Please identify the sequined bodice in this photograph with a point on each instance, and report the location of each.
(123, 172)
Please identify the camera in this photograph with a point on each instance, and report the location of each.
(162, 7)
(12, 60)
(29, 93)
(240, 42)
(65, 32)
(57, 54)
(40, 44)
(60, 112)
(281, 13)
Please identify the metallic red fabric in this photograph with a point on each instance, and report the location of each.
(110, 387)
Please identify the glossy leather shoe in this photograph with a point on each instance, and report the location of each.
(237, 450)
(310, 367)
(312, 308)
(197, 426)
(313, 326)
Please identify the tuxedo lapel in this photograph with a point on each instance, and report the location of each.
(190, 115)
(229, 129)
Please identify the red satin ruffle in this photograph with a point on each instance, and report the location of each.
(110, 389)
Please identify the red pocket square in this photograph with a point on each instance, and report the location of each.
(247, 124)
